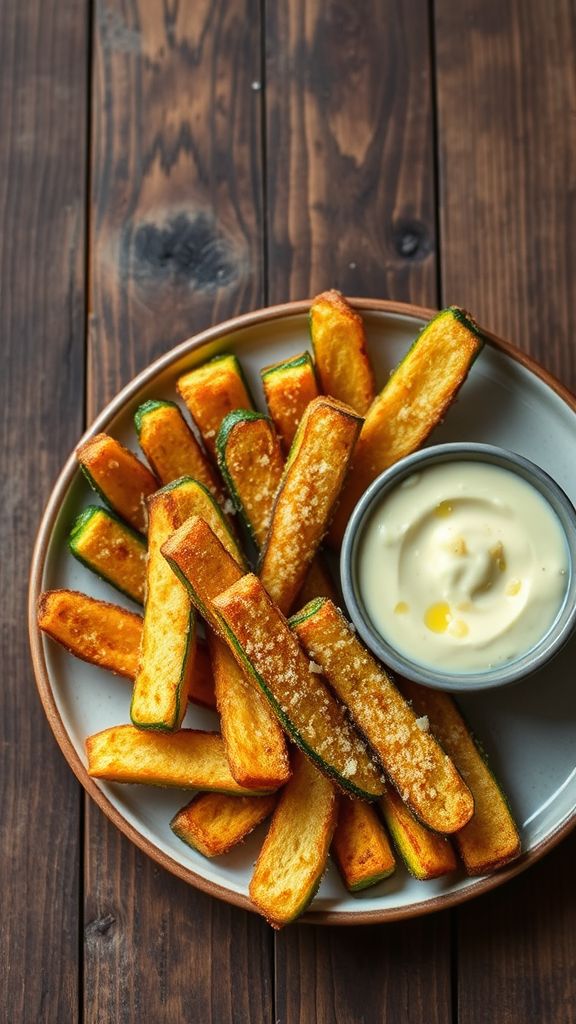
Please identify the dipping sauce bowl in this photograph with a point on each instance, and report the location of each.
(434, 570)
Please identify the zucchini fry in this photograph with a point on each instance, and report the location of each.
(94, 631)
(254, 742)
(213, 823)
(210, 392)
(202, 563)
(109, 636)
(170, 446)
(422, 773)
(339, 343)
(261, 640)
(289, 387)
(305, 501)
(360, 846)
(252, 464)
(414, 400)
(166, 665)
(293, 858)
(255, 746)
(120, 479)
(110, 549)
(426, 854)
(491, 838)
(188, 759)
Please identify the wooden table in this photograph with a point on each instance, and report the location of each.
(163, 166)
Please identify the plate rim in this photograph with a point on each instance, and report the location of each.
(41, 674)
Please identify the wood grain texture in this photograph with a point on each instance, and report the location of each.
(43, 66)
(350, 192)
(176, 244)
(370, 975)
(176, 208)
(517, 947)
(158, 950)
(350, 169)
(507, 148)
(507, 144)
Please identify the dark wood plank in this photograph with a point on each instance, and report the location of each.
(176, 236)
(509, 255)
(188, 956)
(507, 152)
(351, 205)
(43, 68)
(350, 168)
(517, 947)
(176, 245)
(365, 975)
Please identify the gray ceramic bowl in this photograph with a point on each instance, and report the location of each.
(535, 658)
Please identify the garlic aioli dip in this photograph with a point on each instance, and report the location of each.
(463, 566)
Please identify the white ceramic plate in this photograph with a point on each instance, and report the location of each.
(527, 730)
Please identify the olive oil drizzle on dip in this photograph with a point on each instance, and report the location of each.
(463, 566)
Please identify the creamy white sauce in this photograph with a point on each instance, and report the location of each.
(463, 566)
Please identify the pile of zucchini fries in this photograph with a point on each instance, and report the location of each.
(313, 731)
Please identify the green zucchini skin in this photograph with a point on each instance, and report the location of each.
(304, 359)
(150, 406)
(230, 421)
(451, 312)
(237, 368)
(486, 759)
(98, 490)
(286, 722)
(467, 322)
(222, 441)
(78, 527)
(306, 612)
(183, 836)
(205, 612)
(179, 484)
(184, 666)
(373, 880)
(217, 509)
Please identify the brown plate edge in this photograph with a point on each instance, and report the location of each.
(321, 917)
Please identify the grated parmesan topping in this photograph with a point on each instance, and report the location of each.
(305, 502)
(300, 690)
(406, 748)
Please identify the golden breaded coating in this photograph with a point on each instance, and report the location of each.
(422, 773)
(293, 858)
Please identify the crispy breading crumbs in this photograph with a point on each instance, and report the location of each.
(302, 694)
(313, 667)
(255, 464)
(305, 501)
(408, 751)
(349, 768)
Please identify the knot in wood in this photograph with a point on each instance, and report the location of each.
(100, 925)
(411, 239)
(188, 248)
